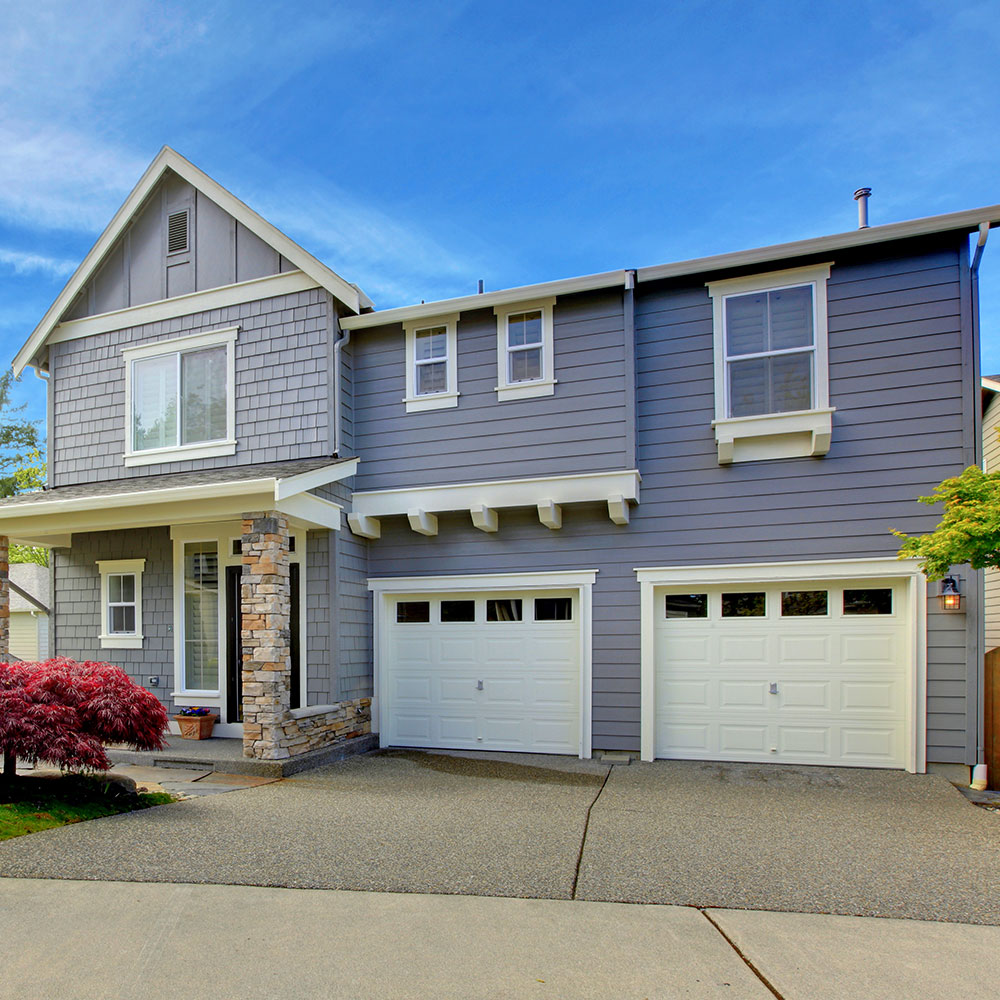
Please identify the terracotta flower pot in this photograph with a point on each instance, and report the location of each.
(196, 727)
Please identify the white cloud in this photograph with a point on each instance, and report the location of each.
(28, 263)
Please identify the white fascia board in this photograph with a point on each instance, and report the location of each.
(311, 510)
(184, 305)
(497, 494)
(488, 300)
(334, 473)
(550, 580)
(967, 220)
(168, 159)
(879, 567)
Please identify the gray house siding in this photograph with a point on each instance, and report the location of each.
(282, 389)
(581, 428)
(77, 603)
(138, 269)
(897, 432)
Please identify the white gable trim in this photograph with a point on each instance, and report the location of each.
(168, 159)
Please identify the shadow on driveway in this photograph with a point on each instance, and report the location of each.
(880, 843)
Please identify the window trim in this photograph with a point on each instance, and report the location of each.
(225, 337)
(414, 402)
(116, 567)
(544, 386)
(793, 433)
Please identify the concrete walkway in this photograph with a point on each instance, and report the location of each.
(854, 842)
(80, 940)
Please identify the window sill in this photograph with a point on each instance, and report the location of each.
(185, 453)
(799, 434)
(526, 390)
(120, 641)
(189, 700)
(437, 401)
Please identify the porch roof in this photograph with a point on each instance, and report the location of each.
(51, 516)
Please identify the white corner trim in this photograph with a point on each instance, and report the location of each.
(879, 568)
(551, 580)
(182, 453)
(546, 383)
(795, 434)
(498, 494)
(236, 294)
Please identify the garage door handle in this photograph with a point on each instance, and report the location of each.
(774, 687)
(479, 685)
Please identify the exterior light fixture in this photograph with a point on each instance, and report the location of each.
(951, 599)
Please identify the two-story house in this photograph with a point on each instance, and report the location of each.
(644, 510)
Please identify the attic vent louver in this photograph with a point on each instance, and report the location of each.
(177, 232)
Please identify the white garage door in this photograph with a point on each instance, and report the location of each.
(804, 672)
(487, 671)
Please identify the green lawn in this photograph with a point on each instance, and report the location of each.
(31, 804)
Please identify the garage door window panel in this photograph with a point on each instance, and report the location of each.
(553, 609)
(745, 605)
(804, 604)
(413, 612)
(504, 609)
(453, 612)
(686, 606)
(868, 601)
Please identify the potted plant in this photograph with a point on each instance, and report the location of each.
(196, 723)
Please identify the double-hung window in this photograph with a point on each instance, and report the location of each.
(431, 363)
(180, 398)
(525, 350)
(121, 603)
(771, 384)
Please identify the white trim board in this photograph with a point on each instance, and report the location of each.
(384, 588)
(253, 290)
(884, 568)
(577, 488)
(168, 159)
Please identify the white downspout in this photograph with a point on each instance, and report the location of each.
(338, 346)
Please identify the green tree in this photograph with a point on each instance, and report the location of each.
(19, 441)
(28, 478)
(969, 531)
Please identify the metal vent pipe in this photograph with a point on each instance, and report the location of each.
(861, 197)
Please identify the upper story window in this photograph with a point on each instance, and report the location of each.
(180, 398)
(525, 350)
(771, 382)
(431, 364)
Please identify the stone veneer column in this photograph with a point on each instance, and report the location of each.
(4, 599)
(266, 602)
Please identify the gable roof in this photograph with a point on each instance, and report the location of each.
(168, 159)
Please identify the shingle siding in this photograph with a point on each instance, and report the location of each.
(282, 389)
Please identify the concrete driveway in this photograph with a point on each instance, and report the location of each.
(737, 836)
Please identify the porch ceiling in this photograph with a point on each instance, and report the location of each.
(50, 517)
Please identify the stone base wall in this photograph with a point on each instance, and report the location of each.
(307, 729)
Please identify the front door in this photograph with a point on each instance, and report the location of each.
(234, 645)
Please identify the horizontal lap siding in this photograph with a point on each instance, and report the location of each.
(282, 393)
(991, 463)
(897, 432)
(579, 428)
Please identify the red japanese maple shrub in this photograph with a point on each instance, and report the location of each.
(63, 712)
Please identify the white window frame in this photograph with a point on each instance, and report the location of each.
(544, 386)
(121, 567)
(795, 433)
(416, 403)
(182, 345)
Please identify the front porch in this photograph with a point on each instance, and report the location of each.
(214, 589)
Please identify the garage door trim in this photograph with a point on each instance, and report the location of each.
(386, 589)
(906, 570)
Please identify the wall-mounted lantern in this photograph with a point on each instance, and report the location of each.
(951, 599)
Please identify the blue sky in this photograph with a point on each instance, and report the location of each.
(418, 148)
